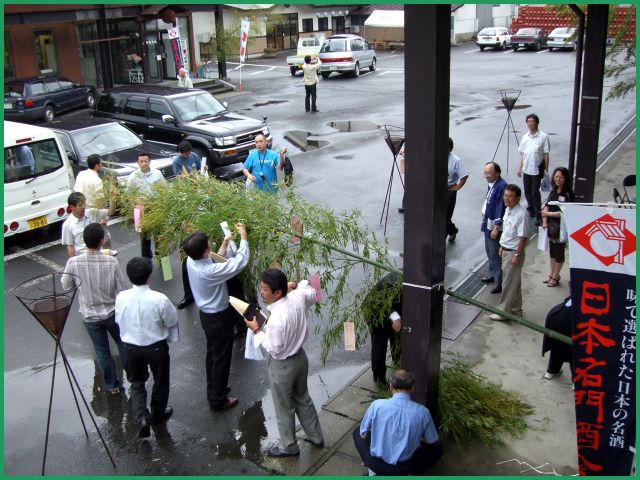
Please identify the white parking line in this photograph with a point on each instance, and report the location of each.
(541, 51)
(508, 51)
(238, 67)
(256, 73)
(257, 65)
(384, 72)
(471, 51)
(272, 68)
(45, 261)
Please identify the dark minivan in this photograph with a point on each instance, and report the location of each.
(168, 115)
(44, 96)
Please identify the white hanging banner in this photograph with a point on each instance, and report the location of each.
(244, 35)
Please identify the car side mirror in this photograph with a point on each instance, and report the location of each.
(225, 105)
(72, 157)
(168, 119)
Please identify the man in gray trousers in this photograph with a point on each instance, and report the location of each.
(282, 338)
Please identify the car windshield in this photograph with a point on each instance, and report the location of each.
(104, 139)
(526, 31)
(562, 31)
(31, 160)
(334, 45)
(487, 31)
(14, 89)
(195, 107)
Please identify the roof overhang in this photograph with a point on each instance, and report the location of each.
(385, 18)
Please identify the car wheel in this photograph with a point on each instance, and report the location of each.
(482, 48)
(356, 70)
(293, 71)
(515, 49)
(91, 99)
(49, 113)
(551, 49)
(325, 75)
(372, 67)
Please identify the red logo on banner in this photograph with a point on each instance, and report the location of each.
(244, 36)
(607, 239)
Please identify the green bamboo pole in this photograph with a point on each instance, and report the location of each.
(509, 316)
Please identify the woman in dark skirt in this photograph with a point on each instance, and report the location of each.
(560, 192)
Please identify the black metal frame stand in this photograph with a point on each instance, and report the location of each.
(509, 103)
(395, 148)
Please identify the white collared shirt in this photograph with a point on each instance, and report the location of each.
(143, 181)
(455, 169)
(533, 147)
(73, 227)
(144, 316)
(89, 183)
(287, 329)
(514, 226)
(484, 205)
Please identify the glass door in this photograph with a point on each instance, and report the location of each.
(153, 57)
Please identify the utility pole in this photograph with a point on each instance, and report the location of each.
(427, 62)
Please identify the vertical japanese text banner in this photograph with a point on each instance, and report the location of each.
(176, 48)
(244, 35)
(602, 251)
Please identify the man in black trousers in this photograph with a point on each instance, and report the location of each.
(147, 321)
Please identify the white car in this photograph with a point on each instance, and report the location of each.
(346, 54)
(494, 37)
(562, 38)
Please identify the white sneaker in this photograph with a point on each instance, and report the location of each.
(549, 376)
(114, 253)
(495, 316)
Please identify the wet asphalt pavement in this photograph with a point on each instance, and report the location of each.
(346, 165)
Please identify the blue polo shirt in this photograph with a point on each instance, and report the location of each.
(397, 425)
(265, 163)
(191, 163)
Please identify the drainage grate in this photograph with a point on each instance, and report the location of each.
(456, 317)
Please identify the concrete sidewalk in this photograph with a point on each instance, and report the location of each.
(505, 353)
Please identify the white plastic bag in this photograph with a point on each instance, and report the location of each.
(545, 183)
(543, 239)
(250, 350)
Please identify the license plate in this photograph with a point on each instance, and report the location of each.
(8, 105)
(522, 44)
(333, 68)
(37, 222)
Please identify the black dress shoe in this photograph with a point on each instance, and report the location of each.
(163, 417)
(184, 303)
(228, 403)
(496, 290)
(277, 453)
(228, 389)
(486, 279)
(315, 111)
(145, 429)
(401, 210)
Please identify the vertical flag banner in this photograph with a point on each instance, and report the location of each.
(176, 47)
(602, 251)
(244, 35)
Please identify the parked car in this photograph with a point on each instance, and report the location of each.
(535, 38)
(117, 146)
(346, 53)
(167, 115)
(494, 37)
(44, 96)
(563, 38)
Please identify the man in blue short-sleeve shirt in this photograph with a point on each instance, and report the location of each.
(261, 164)
(397, 435)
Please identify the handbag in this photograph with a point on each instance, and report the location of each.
(553, 228)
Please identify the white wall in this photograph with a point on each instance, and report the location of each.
(465, 23)
(503, 15)
(203, 29)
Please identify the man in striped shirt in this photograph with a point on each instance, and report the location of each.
(99, 279)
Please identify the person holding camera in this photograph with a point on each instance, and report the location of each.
(262, 164)
(310, 78)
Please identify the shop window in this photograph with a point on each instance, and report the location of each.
(45, 51)
(323, 23)
(9, 71)
(307, 24)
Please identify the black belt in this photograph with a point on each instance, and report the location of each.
(509, 249)
(153, 345)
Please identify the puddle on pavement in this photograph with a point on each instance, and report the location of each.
(302, 141)
(353, 125)
(343, 157)
(517, 107)
(270, 102)
(467, 119)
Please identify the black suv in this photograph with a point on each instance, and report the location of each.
(168, 115)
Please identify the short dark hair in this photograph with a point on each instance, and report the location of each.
(139, 270)
(196, 244)
(184, 146)
(307, 59)
(450, 144)
(534, 116)
(402, 380)
(143, 154)
(75, 198)
(93, 235)
(276, 280)
(515, 189)
(259, 135)
(93, 160)
(496, 167)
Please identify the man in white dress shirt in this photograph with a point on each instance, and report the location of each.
(287, 364)
(146, 319)
(89, 183)
(534, 162)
